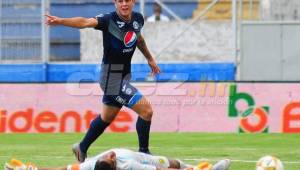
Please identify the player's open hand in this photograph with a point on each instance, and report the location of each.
(52, 20)
(154, 67)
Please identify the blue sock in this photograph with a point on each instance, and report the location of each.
(143, 130)
(97, 127)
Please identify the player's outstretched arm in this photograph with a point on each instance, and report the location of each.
(61, 168)
(75, 22)
(192, 168)
(142, 46)
(15, 164)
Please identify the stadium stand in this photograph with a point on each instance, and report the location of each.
(284, 10)
(20, 30)
(222, 10)
(21, 41)
(65, 42)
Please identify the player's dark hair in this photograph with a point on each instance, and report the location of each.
(102, 165)
(157, 5)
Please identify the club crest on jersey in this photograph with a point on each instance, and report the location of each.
(136, 25)
(130, 38)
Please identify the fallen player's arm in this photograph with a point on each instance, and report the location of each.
(175, 169)
(15, 164)
(61, 168)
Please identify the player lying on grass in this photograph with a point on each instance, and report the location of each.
(124, 159)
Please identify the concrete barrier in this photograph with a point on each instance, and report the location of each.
(173, 42)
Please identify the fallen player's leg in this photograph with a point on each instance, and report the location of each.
(220, 165)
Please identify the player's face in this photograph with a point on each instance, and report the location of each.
(110, 158)
(124, 7)
(157, 10)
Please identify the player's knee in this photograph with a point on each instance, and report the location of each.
(108, 118)
(147, 114)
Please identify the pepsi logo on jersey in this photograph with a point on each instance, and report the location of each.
(130, 38)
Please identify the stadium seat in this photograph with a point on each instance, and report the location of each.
(21, 30)
(222, 10)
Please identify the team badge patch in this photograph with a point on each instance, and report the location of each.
(128, 91)
(130, 39)
(136, 25)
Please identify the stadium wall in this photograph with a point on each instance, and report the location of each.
(177, 42)
(178, 107)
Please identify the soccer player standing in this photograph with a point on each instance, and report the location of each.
(121, 35)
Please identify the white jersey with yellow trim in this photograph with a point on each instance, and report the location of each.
(127, 160)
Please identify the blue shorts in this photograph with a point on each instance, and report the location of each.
(128, 96)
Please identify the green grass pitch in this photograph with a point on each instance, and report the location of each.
(243, 149)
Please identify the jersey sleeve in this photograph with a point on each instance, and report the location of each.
(133, 165)
(103, 21)
(141, 21)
